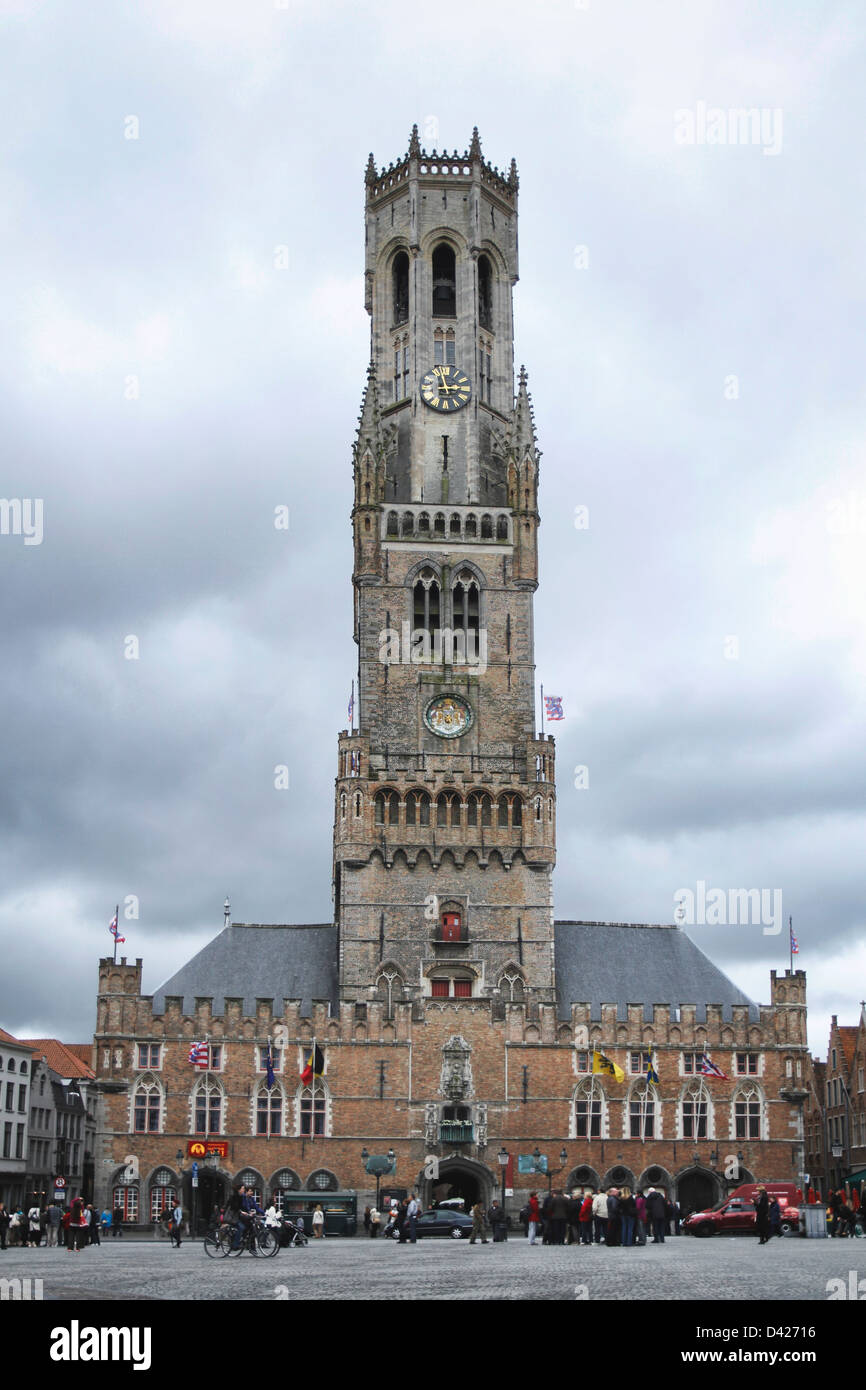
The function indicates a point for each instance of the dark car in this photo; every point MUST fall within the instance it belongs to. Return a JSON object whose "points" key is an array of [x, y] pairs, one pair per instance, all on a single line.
{"points": [[442, 1222]]}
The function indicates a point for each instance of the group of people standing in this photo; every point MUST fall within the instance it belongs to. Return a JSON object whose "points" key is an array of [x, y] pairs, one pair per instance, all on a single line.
{"points": [[614, 1217], [74, 1227]]}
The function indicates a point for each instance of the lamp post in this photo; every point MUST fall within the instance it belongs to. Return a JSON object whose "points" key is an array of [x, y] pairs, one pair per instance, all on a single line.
{"points": [[178, 1158], [503, 1157], [552, 1172], [378, 1165]]}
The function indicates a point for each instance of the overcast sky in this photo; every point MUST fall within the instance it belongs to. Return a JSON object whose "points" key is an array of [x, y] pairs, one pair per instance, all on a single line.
{"points": [[691, 317]]}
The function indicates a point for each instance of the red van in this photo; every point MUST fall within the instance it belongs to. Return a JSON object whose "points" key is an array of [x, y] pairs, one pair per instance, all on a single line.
{"points": [[736, 1214]]}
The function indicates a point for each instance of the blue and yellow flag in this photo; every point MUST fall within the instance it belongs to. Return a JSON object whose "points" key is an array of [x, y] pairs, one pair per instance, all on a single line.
{"points": [[603, 1064], [651, 1073]]}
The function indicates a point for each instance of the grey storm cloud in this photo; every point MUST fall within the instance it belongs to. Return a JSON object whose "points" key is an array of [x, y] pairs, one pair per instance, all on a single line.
{"points": [[184, 352]]}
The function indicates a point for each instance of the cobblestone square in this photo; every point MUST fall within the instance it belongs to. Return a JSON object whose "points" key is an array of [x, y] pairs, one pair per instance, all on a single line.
{"points": [[732, 1268]]}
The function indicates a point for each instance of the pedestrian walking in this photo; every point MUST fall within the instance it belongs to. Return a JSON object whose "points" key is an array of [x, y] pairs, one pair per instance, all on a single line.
{"points": [[762, 1215], [34, 1230], [93, 1225], [175, 1227], [106, 1221], [533, 1217], [367, 1211], [318, 1222], [375, 1219], [478, 1225], [4, 1225]]}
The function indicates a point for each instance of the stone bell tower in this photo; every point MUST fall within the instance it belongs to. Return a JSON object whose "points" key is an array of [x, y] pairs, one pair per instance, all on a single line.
{"points": [[444, 838]]}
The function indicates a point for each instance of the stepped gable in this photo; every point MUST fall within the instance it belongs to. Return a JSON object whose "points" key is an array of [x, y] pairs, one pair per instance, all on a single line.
{"points": [[253, 961], [623, 963]]}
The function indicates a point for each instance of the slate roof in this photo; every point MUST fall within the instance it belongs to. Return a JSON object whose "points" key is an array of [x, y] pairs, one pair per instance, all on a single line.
{"points": [[251, 961], [622, 963]]}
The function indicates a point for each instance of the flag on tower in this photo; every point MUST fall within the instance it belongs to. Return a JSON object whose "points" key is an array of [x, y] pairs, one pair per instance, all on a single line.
{"points": [[795, 946], [352, 708], [709, 1068], [314, 1065], [603, 1064], [553, 707], [199, 1055], [113, 928]]}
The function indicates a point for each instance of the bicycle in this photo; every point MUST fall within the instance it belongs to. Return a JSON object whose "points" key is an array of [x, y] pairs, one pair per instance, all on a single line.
{"points": [[257, 1237], [217, 1241]]}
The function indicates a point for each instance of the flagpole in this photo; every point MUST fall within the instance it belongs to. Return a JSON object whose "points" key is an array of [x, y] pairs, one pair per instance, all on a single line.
{"points": [[352, 720], [791, 943], [116, 930], [313, 1096], [542, 711]]}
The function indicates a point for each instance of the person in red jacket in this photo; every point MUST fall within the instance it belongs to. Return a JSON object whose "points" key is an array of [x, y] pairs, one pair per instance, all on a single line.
{"points": [[585, 1220], [534, 1217]]}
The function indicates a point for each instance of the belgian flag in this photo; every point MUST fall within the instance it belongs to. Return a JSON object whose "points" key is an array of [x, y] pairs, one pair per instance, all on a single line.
{"points": [[314, 1065]]}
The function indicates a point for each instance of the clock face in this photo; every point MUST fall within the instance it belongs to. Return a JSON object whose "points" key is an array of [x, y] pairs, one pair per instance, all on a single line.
{"points": [[445, 388]]}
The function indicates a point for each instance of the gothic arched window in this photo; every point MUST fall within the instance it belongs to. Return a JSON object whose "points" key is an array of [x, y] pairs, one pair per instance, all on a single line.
{"points": [[417, 808], [485, 292], [207, 1107], [480, 805], [389, 990], [147, 1107], [511, 986], [400, 278], [269, 1110], [393, 526], [695, 1112], [425, 610], [312, 1110], [589, 1103], [642, 1110], [465, 602], [748, 1113], [444, 282], [387, 808]]}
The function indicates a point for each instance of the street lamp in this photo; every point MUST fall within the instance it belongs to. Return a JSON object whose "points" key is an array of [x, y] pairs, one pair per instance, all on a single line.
{"points": [[378, 1165], [552, 1172], [503, 1157]]}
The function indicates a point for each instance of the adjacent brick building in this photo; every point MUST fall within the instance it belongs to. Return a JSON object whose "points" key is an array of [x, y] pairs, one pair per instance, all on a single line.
{"points": [[456, 1020]]}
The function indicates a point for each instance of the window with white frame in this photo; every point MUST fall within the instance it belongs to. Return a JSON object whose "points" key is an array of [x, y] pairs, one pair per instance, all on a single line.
{"points": [[695, 1112], [149, 1056], [147, 1107], [207, 1107], [748, 1113], [589, 1105], [269, 1110], [642, 1110], [748, 1063]]}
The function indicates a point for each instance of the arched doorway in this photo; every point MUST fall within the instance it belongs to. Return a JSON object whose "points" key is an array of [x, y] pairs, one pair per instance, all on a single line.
{"points": [[212, 1194], [697, 1189], [458, 1178]]}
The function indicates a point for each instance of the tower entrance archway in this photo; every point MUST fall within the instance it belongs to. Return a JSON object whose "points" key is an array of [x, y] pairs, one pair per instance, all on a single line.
{"points": [[458, 1178]]}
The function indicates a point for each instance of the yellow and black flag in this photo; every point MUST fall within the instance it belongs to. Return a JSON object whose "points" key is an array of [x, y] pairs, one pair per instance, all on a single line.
{"points": [[314, 1065], [603, 1064]]}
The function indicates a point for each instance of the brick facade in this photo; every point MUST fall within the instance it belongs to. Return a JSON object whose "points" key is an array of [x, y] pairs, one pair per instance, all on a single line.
{"points": [[448, 1034]]}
